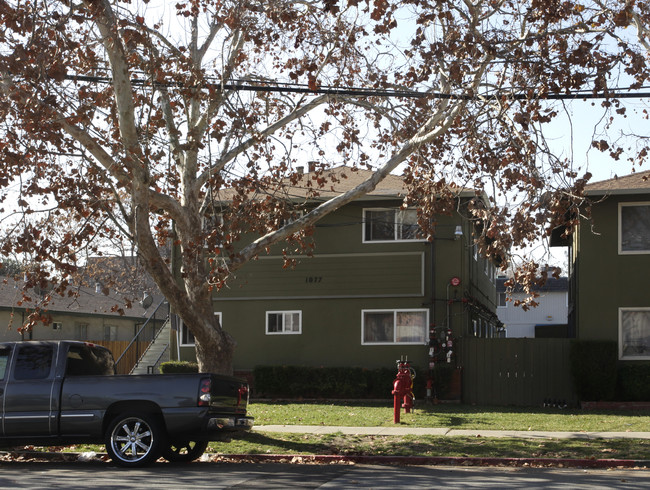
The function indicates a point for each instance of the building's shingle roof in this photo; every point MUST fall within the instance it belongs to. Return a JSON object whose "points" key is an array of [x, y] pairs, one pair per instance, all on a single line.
{"points": [[342, 179], [635, 183], [87, 302]]}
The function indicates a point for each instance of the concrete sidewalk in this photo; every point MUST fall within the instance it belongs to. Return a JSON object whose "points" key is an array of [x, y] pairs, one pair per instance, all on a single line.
{"points": [[398, 430]]}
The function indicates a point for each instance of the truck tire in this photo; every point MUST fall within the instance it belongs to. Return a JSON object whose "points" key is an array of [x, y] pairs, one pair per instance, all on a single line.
{"points": [[134, 439], [184, 452]]}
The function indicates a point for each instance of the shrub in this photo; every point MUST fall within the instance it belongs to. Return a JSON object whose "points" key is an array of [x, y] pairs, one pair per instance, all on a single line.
{"points": [[593, 367], [179, 367], [328, 382], [634, 382]]}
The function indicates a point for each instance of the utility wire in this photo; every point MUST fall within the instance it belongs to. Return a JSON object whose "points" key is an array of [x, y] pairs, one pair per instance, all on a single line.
{"points": [[365, 92]]}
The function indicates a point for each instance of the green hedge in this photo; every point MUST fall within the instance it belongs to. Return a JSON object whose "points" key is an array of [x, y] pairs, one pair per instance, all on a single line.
{"points": [[593, 367], [179, 367], [599, 376], [634, 382], [337, 382]]}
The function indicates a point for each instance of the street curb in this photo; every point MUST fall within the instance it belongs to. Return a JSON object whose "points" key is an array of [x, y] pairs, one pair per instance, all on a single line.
{"points": [[25, 456], [436, 460]]}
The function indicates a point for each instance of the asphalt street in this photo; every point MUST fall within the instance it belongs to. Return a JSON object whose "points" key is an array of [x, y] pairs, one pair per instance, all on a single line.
{"points": [[78, 475]]}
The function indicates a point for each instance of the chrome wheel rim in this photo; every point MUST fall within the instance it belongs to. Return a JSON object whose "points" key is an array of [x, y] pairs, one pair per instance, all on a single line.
{"points": [[132, 439]]}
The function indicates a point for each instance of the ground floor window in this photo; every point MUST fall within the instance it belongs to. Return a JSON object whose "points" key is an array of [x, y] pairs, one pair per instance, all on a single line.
{"points": [[110, 332], [81, 331], [634, 333], [186, 337], [283, 322], [394, 326]]}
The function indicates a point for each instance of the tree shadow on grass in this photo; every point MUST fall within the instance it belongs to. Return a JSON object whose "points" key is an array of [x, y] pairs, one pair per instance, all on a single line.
{"points": [[284, 443]]}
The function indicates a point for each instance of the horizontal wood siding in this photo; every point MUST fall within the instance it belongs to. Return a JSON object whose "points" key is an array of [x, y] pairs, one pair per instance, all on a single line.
{"points": [[344, 275], [520, 372]]}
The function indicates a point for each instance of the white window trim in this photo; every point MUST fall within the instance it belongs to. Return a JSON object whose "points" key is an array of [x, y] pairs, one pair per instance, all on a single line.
{"points": [[505, 295], [395, 312], [283, 312], [298, 214], [57, 326], [396, 210], [622, 205], [182, 326], [211, 219], [620, 334]]}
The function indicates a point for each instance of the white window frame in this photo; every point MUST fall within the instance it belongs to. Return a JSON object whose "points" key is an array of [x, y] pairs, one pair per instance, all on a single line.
{"points": [[395, 312], [208, 222], [57, 326], [397, 222], [284, 330], [621, 339], [299, 213], [622, 205], [185, 337], [505, 300]]}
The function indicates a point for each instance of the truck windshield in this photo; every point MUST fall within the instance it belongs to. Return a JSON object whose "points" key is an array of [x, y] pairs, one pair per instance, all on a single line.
{"points": [[86, 360]]}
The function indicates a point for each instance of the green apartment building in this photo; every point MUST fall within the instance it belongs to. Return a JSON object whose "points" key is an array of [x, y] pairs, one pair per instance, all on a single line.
{"points": [[610, 281], [372, 292]]}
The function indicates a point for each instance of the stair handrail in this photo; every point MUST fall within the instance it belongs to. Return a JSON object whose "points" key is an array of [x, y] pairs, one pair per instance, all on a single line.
{"points": [[135, 338], [157, 361], [151, 344]]}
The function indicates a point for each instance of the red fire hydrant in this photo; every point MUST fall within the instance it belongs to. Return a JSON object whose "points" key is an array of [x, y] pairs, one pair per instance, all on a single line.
{"points": [[403, 389]]}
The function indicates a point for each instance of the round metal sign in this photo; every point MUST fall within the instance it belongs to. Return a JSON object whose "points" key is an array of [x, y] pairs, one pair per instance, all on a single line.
{"points": [[455, 281]]}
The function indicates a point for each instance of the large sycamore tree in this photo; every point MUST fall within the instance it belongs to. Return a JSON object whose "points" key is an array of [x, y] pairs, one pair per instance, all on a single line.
{"points": [[182, 125]]}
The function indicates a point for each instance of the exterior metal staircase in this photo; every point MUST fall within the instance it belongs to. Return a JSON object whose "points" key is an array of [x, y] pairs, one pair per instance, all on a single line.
{"points": [[155, 335], [156, 353]]}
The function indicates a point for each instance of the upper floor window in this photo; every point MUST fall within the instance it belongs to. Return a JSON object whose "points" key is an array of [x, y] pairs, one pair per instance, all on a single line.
{"points": [[634, 228], [387, 225], [212, 226], [283, 322], [394, 326], [502, 300], [634, 333]]}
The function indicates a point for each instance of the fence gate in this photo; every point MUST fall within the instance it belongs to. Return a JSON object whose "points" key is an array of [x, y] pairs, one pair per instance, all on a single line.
{"points": [[521, 372]]}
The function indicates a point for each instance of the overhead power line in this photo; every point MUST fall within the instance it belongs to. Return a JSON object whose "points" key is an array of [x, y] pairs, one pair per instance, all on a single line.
{"points": [[619, 93]]}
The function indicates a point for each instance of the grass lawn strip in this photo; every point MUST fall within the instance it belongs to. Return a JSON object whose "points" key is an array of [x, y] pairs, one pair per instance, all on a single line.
{"points": [[433, 446], [380, 414]]}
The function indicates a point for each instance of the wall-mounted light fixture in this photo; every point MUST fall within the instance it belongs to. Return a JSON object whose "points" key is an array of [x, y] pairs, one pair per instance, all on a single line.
{"points": [[458, 233]]}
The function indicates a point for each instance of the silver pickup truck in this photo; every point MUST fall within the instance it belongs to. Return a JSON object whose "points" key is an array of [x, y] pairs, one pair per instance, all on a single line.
{"points": [[66, 392]]}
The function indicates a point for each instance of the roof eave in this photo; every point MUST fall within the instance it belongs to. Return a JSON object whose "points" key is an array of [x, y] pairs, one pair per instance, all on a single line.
{"points": [[616, 192]]}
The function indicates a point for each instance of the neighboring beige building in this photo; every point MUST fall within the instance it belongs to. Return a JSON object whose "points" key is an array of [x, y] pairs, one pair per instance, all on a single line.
{"points": [[89, 315]]}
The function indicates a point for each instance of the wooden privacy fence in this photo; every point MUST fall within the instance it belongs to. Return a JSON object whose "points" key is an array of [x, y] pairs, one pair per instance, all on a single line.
{"points": [[117, 347], [521, 372]]}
